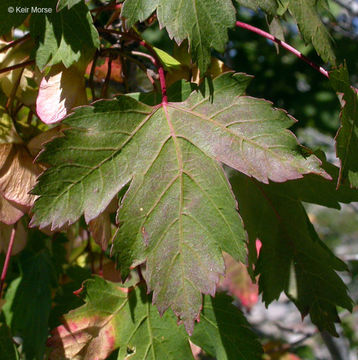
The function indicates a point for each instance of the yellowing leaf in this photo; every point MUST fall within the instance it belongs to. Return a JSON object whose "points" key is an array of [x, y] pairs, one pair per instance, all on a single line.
{"points": [[20, 238], [7, 130], [18, 174], [14, 56], [35, 145], [168, 61], [10, 212]]}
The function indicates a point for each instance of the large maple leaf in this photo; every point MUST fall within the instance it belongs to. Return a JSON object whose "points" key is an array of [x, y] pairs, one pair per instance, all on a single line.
{"points": [[179, 212]]}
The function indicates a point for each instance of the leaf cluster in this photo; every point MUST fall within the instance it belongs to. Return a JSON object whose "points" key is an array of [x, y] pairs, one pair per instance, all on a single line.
{"points": [[148, 189]]}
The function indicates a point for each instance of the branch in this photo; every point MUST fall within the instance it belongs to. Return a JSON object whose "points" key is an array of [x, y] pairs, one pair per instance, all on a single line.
{"points": [[7, 259], [349, 5], [14, 43], [155, 59], [335, 349], [17, 66], [284, 45], [90, 81], [145, 55], [141, 66]]}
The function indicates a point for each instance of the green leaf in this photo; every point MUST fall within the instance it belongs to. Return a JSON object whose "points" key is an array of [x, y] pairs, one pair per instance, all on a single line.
{"points": [[138, 10], [65, 36], [198, 21], [63, 3], [7, 346], [223, 331], [167, 60], [276, 29], [269, 6], [63, 300], [169, 155], [347, 136], [28, 302], [311, 27], [291, 252], [10, 19], [115, 317]]}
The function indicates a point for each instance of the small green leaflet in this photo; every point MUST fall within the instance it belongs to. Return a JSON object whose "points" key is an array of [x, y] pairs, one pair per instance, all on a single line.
{"points": [[63, 36], [198, 21], [269, 6], [63, 3], [291, 251], [124, 318], [168, 61], [347, 136], [311, 27], [169, 156]]}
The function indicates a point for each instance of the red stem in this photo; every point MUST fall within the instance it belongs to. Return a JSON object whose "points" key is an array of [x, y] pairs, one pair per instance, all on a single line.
{"points": [[284, 45], [7, 259], [161, 72]]}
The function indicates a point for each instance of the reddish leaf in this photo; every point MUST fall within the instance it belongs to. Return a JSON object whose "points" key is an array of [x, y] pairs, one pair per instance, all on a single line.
{"points": [[60, 91], [18, 174], [101, 71], [238, 283], [10, 212]]}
